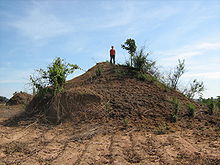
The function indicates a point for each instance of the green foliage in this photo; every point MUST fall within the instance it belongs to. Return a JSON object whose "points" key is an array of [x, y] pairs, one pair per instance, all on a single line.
{"points": [[145, 77], [162, 128], [191, 110], [211, 103], [141, 76], [176, 109], [218, 102], [176, 105], [53, 79], [211, 107], [125, 122], [131, 47], [141, 61], [173, 118], [119, 72], [3, 99], [196, 88], [173, 77], [98, 71]]}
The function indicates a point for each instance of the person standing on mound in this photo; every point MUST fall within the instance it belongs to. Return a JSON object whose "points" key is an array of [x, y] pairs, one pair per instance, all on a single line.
{"points": [[112, 55]]}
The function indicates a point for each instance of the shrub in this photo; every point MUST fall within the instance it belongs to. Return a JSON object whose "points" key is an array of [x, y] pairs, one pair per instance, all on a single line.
{"points": [[141, 76], [176, 107], [145, 77], [211, 107], [98, 71], [173, 77], [173, 118], [53, 79], [162, 128], [125, 122], [120, 73], [141, 61], [191, 110], [196, 88]]}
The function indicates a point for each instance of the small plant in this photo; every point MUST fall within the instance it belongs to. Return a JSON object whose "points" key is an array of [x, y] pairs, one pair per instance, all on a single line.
{"points": [[119, 72], [176, 107], [196, 88], [141, 76], [173, 118], [145, 77], [98, 71], [173, 77], [191, 110], [211, 107], [125, 122], [162, 128]]}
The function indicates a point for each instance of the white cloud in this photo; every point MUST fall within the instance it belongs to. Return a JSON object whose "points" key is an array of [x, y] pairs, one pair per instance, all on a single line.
{"points": [[38, 24]]}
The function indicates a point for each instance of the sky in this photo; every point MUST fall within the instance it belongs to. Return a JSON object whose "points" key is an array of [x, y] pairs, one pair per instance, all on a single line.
{"points": [[34, 32]]}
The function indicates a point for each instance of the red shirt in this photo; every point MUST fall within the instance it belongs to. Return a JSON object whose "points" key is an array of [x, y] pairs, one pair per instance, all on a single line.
{"points": [[112, 52]]}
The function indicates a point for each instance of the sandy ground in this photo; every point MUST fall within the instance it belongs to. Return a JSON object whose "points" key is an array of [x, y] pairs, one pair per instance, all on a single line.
{"points": [[95, 144]]}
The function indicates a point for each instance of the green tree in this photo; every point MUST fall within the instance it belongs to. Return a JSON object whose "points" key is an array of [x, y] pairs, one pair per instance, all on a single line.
{"points": [[174, 77], [53, 79], [131, 47]]}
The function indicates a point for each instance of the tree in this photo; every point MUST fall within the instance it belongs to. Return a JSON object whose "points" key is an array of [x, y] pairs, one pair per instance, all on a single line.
{"points": [[53, 79], [131, 47], [196, 88], [173, 77]]}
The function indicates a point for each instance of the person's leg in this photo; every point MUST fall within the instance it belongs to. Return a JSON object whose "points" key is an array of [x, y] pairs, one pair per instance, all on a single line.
{"points": [[111, 59], [114, 59]]}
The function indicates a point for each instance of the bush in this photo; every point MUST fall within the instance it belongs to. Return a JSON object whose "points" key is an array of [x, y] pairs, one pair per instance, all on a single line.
{"points": [[119, 72], [176, 107], [191, 110], [173, 118], [142, 63], [162, 128], [141, 76], [98, 71], [173, 77], [53, 79], [196, 88], [211, 107], [145, 77]]}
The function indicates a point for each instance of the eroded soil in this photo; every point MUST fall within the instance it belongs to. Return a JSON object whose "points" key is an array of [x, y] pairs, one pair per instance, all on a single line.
{"points": [[92, 143]]}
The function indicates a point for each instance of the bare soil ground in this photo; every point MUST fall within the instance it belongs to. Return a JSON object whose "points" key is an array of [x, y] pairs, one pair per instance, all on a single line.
{"points": [[95, 143]]}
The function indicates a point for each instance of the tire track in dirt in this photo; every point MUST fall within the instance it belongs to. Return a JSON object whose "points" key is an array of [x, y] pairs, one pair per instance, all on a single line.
{"points": [[79, 159], [144, 148], [19, 154], [37, 145], [109, 156]]}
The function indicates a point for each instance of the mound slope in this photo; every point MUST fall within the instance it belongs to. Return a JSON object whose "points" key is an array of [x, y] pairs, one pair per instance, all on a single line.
{"points": [[112, 93], [19, 98]]}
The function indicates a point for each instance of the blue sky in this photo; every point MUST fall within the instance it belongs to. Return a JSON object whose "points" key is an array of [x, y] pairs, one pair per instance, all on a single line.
{"points": [[33, 33]]}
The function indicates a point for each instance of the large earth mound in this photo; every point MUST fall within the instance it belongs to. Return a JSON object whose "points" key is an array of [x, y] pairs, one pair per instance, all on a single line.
{"points": [[19, 98], [114, 118], [113, 93]]}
